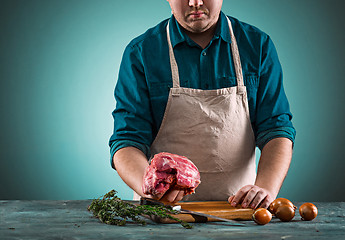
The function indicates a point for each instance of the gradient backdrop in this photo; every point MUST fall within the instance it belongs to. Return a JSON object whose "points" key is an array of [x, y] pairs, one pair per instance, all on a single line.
{"points": [[58, 67]]}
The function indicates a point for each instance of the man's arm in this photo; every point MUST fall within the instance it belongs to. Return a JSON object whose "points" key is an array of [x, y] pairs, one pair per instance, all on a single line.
{"points": [[131, 164], [273, 130], [272, 169]]}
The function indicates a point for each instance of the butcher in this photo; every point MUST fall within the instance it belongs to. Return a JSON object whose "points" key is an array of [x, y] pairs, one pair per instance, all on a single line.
{"points": [[207, 87]]}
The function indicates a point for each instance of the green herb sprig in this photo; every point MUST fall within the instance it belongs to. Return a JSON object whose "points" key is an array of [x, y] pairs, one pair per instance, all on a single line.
{"points": [[110, 209]]}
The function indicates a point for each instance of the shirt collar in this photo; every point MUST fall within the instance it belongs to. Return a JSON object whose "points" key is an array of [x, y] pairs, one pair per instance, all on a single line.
{"points": [[178, 35], [222, 29]]}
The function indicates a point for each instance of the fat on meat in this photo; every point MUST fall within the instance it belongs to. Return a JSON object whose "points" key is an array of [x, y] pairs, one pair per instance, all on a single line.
{"points": [[170, 171]]}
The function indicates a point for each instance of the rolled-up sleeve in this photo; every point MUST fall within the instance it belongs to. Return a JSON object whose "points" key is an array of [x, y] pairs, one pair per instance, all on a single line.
{"points": [[132, 120], [273, 116]]}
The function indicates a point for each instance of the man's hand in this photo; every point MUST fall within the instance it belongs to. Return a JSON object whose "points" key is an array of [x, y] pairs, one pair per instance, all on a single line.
{"points": [[252, 196], [171, 196], [273, 166], [131, 164]]}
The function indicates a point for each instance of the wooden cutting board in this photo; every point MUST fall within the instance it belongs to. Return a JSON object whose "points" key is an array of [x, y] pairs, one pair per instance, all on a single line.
{"points": [[217, 208]]}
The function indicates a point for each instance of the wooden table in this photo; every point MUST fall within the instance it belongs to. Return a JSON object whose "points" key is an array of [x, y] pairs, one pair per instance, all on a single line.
{"points": [[71, 220]]}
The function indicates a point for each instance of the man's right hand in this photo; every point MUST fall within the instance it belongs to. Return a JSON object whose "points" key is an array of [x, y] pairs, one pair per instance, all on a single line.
{"points": [[171, 196], [131, 164]]}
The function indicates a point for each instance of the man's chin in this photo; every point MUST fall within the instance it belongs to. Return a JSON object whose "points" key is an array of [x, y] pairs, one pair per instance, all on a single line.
{"points": [[198, 27]]}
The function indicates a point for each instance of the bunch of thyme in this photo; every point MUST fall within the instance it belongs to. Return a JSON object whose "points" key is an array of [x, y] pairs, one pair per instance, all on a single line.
{"points": [[110, 209]]}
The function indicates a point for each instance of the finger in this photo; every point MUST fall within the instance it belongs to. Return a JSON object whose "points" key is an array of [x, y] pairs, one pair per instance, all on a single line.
{"points": [[250, 196], [179, 196], [266, 202], [259, 198], [230, 199], [239, 196], [171, 195], [157, 196]]}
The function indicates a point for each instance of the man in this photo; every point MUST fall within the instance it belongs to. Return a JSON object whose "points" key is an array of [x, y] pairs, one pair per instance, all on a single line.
{"points": [[208, 87]]}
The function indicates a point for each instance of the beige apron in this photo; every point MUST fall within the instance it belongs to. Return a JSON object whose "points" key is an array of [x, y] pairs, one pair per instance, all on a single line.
{"points": [[212, 128]]}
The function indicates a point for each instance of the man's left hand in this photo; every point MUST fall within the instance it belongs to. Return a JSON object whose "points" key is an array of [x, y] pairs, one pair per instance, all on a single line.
{"points": [[252, 196]]}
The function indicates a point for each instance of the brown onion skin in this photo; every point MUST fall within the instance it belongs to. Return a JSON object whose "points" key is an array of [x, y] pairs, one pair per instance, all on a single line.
{"points": [[285, 213], [262, 216], [278, 202], [308, 211]]}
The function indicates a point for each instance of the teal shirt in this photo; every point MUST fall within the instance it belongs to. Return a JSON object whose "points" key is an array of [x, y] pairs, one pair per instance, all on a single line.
{"points": [[144, 80]]}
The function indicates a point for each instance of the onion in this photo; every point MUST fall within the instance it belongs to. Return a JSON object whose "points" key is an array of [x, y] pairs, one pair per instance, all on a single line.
{"points": [[279, 202], [262, 216], [285, 213], [308, 211]]}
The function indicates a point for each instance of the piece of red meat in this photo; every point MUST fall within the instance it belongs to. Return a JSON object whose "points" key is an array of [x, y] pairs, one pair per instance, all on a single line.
{"points": [[170, 171]]}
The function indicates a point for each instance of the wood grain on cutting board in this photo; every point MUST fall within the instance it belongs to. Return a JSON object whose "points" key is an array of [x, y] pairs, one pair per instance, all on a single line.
{"points": [[217, 208]]}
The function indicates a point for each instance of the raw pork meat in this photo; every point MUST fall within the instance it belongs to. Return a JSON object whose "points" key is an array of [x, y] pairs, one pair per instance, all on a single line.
{"points": [[170, 171]]}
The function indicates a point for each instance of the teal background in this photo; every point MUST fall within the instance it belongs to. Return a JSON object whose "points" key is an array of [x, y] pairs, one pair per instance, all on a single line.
{"points": [[58, 67]]}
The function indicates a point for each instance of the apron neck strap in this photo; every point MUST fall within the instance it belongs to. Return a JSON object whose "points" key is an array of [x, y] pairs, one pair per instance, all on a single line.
{"points": [[173, 64], [235, 57]]}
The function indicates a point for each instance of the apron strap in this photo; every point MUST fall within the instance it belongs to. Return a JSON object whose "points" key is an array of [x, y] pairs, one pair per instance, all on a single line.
{"points": [[235, 56], [173, 64]]}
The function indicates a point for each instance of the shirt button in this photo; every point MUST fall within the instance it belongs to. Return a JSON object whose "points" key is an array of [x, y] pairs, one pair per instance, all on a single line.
{"points": [[204, 53]]}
